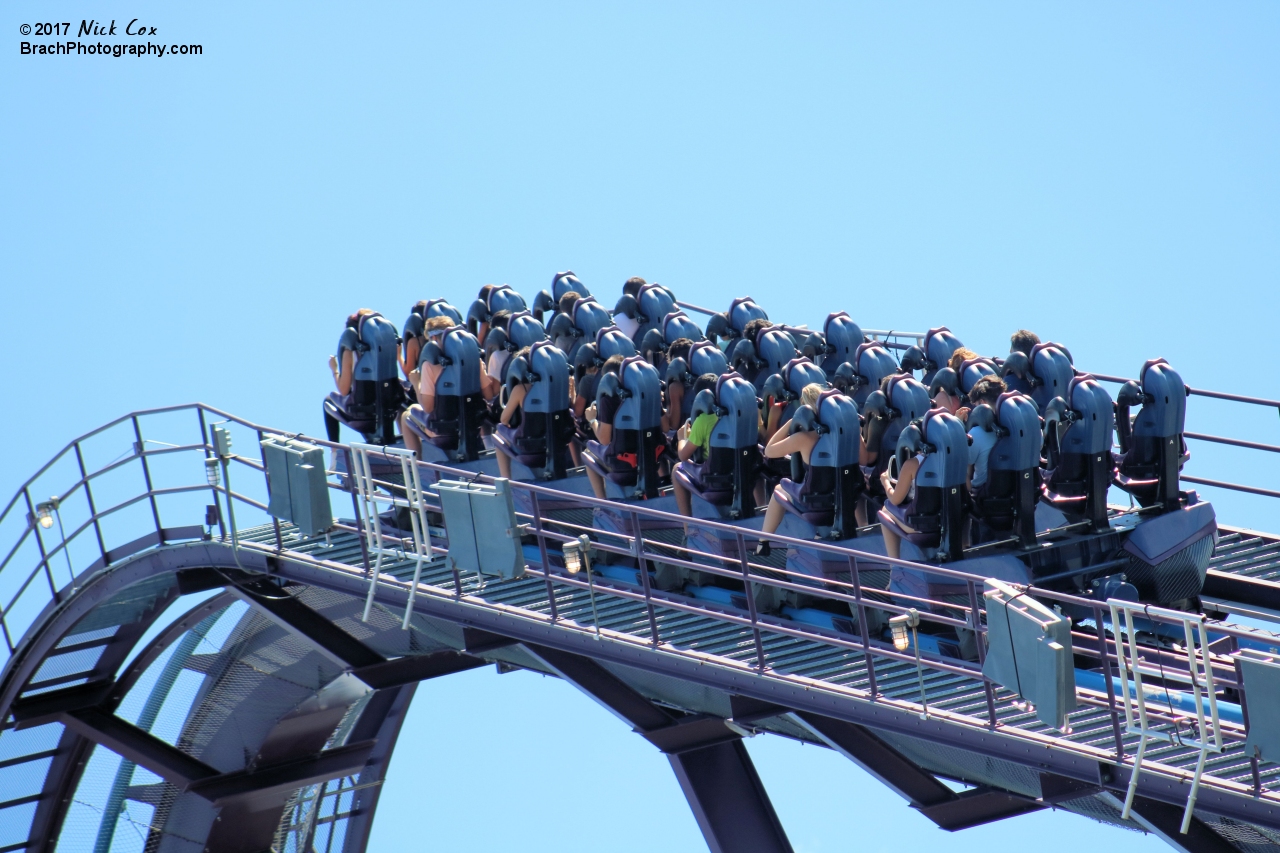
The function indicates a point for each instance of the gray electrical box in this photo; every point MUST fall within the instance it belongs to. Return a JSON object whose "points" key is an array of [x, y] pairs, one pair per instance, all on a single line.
{"points": [[1029, 652], [298, 487], [480, 521], [1261, 672]]}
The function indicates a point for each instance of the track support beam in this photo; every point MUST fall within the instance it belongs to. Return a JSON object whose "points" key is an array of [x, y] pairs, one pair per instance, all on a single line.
{"points": [[709, 759]]}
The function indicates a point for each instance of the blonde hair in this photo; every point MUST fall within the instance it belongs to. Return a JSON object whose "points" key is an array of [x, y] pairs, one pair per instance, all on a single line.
{"points": [[810, 394], [959, 357]]}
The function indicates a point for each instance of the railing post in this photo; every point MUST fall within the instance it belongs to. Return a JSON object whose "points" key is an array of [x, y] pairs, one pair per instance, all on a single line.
{"points": [[868, 658], [146, 474], [93, 509], [1105, 659], [355, 505], [751, 601], [44, 555], [217, 498], [546, 562], [638, 545], [976, 621]]}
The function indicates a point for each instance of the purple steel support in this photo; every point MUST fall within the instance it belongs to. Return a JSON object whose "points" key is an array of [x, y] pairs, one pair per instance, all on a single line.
{"points": [[146, 476], [728, 799], [713, 767], [1111, 688], [638, 545], [217, 498], [751, 602], [870, 661], [919, 787], [542, 551], [44, 556], [93, 509]]}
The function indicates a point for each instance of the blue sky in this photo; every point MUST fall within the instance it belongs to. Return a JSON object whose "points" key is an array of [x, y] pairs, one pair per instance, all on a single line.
{"points": [[184, 228]]}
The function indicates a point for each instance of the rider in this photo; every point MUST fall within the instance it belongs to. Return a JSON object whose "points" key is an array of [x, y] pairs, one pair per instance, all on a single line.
{"points": [[510, 419], [629, 325], [1023, 341], [423, 378], [694, 441], [780, 446], [986, 390], [675, 390]]}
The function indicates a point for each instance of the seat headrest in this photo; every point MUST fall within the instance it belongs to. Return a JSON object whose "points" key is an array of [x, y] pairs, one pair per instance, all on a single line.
{"points": [[518, 373], [775, 348], [718, 327], [542, 303], [743, 358], [677, 325], [800, 372], [611, 385], [910, 443], [804, 420], [1131, 394], [945, 380], [939, 344], [505, 298], [611, 341], [678, 371], [524, 330], [652, 345], [584, 359], [742, 311], [815, 346], [628, 307], [433, 354], [1018, 365], [981, 416], [567, 282], [478, 313], [913, 359], [876, 405], [706, 357], [562, 326], [843, 336], [705, 404], [846, 378], [497, 339], [776, 388]]}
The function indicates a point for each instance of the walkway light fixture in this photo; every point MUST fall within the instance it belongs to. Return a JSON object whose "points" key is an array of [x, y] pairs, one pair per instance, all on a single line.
{"points": [[44, 512], [577, 555], [899, 625], [211, 471], [577, 558]]}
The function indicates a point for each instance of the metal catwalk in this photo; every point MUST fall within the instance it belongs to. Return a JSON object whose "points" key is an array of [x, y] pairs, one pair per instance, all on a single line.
{"points": [[174, 677]]}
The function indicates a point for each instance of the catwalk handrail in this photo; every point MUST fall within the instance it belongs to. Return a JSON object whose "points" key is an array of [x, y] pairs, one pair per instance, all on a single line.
{"points": [[852, 593]]}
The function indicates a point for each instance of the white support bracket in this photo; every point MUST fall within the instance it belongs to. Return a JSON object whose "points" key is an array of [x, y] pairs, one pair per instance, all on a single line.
{"points": [[1128, 618], [374, 500]]}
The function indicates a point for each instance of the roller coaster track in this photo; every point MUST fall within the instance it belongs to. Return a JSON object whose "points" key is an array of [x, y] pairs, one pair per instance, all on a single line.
{"points": [[240, 703]]}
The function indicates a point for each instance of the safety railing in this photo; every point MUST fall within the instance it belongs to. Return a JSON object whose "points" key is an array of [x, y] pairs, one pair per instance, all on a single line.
{"points": [[901, 340], [170, 485]]}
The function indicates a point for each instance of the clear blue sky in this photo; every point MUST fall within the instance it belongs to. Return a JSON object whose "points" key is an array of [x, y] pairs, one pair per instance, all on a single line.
{"points": [[185, 228]]}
